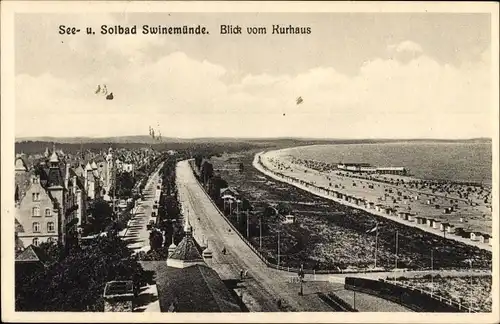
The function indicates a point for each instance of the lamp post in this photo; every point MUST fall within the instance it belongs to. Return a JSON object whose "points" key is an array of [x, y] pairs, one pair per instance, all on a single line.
{"points": [[248, 225], [260, 232], [278, 248], [470, 289], [301, 279], [432, 271]]}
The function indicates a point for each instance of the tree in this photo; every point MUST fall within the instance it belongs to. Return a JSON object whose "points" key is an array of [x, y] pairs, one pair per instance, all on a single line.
{"points": [[102, 215], [124, 185], [197, 160], [76, 283], [284, 209], [215, 185], [245, 205], [155, 240], [207, 171]]}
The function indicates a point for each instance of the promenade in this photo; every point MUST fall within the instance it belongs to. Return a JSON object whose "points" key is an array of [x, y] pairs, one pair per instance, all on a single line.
{"points": [[311, 181]]}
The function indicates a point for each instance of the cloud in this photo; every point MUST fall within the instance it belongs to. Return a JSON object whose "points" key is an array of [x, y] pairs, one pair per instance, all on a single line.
{"points": [[406, 46], [387, 98]]}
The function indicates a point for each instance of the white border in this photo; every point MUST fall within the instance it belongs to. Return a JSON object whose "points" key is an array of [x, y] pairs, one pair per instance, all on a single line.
{"points": [[7, 120]]}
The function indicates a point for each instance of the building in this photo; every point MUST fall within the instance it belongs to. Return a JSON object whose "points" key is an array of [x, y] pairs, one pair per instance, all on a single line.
{"points": [[444, 227], [367, 168], [30, 261], [187, 284], [474, 236], [421, 220], [49, 202], [289, 219], [229, 192], [37, 215], [484, 238]]}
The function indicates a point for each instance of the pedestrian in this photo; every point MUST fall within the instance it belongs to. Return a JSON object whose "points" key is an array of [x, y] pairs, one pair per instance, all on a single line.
{"points": [[241, 274]]}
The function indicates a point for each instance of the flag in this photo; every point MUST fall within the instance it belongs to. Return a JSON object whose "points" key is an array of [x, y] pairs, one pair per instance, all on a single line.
{"points": [[373, 229]]}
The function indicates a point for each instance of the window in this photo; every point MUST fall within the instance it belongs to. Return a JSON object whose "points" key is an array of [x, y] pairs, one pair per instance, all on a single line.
{"points": [[36, 227], [36, 211], [50, 227], [36, 241], [36, 196], [48, 213]]}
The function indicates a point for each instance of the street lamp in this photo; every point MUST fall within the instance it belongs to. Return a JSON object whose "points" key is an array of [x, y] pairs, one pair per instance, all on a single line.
{"points": [[278, 248], [470, 289], [301, 278]]}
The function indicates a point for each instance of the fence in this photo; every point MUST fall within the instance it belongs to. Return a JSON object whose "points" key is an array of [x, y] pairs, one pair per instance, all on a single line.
{"points": [[442, 299], [413, 298], [338, 304]]}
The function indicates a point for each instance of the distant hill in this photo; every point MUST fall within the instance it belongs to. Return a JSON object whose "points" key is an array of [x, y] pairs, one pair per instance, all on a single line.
{"points": [[144, 139]]}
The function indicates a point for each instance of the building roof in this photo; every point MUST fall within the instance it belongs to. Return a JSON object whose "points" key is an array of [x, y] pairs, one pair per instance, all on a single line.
{"points": [[18, 227], [187, 250], [23, 182], [230, 189], [193, 289], [20, 164], [32, 254], [54, 158], [118, 288]]}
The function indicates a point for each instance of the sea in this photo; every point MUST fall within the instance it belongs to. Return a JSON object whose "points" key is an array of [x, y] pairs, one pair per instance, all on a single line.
{"points": [[459, 162]]}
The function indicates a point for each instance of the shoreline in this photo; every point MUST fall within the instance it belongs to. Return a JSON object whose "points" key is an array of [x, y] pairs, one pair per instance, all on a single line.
{"points": [[486, 183], [324, 194]]}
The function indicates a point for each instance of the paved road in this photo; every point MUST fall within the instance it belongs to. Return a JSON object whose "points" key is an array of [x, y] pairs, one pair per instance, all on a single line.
{"points": [[266, 284], [137, 237], [321, 193], [136, 234]]}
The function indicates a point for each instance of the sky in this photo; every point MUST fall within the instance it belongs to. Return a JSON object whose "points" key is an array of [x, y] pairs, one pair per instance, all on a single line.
{"points": [[361, 75]]}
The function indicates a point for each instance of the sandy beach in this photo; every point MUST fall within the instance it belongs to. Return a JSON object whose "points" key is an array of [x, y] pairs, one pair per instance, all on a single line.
{"points": [[399, 197]]}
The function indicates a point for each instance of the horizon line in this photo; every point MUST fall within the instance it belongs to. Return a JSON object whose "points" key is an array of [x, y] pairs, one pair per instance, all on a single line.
{"points": [[249, 137]]}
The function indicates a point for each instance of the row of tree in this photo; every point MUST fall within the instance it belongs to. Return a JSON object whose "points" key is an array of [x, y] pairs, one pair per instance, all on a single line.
{"points": [[169, 224]]}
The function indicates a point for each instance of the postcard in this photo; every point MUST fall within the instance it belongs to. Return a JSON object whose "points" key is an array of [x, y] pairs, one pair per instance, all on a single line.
{"points": [[250, 162]]}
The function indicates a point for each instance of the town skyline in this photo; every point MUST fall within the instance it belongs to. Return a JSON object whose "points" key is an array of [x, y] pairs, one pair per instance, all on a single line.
{"points": [[429, 78]]}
